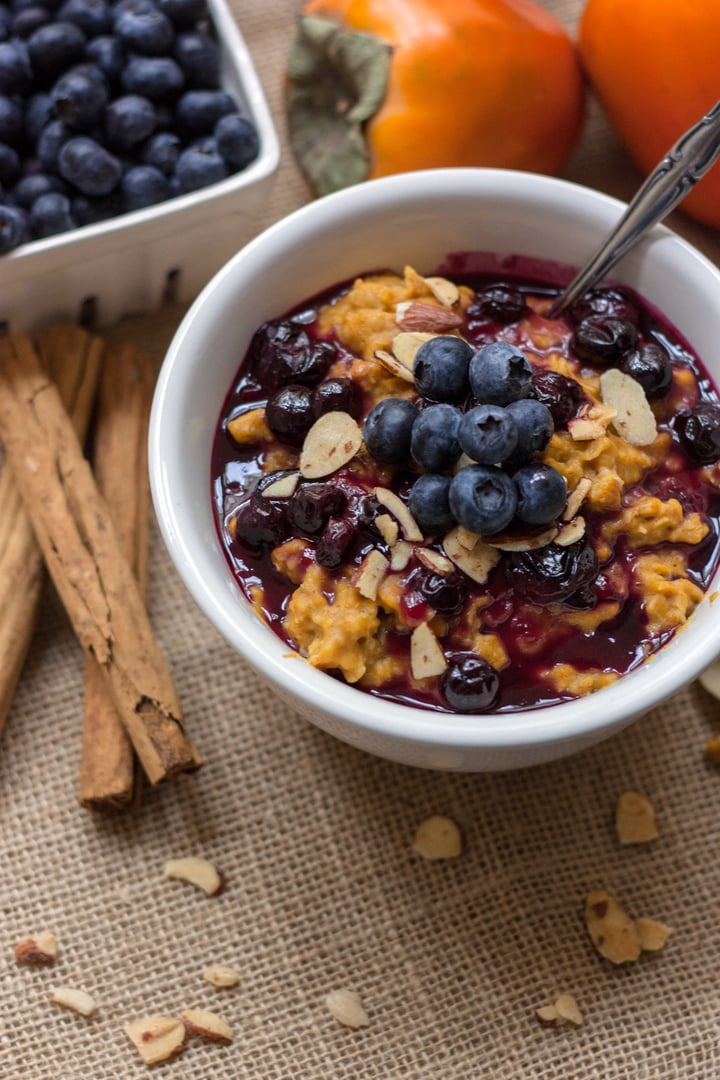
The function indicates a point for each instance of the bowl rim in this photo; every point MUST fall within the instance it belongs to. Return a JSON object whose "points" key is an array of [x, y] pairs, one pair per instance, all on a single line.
{"points": [[583, 718]]}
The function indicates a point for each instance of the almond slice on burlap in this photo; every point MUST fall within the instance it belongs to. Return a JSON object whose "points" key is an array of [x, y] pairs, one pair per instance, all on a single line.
{"points": [[612, 931]]}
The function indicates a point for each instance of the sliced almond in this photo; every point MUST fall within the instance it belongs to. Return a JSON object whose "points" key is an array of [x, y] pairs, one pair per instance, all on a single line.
{"points": [[476, 563], [78, 1001], [437, 837], [388, 528], [202, 1024], [198, 872], [400, 554], [406, 345], [548, 1015], [652, 934], [157, 1038], [443, 290], [433, 560], [394, 366], [571, 532], [332, 441], [523, 543], [38, 951], [465, 538], [347, 1008], [433, 318], [282, 488], [221, 975], [612, 931], [591, 422], [710, 679], [370, 573], [426, 656], [635, 422], [635, 819], [567, 1009], [392, 502], [577, 497]]}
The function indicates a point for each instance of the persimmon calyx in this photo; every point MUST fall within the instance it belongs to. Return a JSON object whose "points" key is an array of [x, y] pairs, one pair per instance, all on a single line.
{"points": [[337, 81]]}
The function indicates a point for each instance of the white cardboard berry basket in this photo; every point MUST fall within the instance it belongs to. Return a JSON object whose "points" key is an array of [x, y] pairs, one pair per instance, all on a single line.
{"points": [[126, 264]]}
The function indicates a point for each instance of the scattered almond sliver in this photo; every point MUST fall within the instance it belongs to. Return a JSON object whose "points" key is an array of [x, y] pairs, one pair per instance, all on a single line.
{"points": [[406, 344], [370, 573], [437, 837], [443, 290], [635, 819], [203, 1024], [570, 532], [347, 1008], [38, 951], [576, 498], [524, 543], [78, 1001], [394, 504], [591, 422], [221, 975], [198, 872], [635, 421], [282, 488], [433, 560], [612, 931], [476, 562], [426, 656], [157, 1038], [388, 528], [400, 554], [332, 441], [652, 934], [393, 365], [564, 1011]]}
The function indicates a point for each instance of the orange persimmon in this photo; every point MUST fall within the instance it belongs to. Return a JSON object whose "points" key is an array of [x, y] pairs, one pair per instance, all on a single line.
{"points": [[385, 86], [654, 65]]}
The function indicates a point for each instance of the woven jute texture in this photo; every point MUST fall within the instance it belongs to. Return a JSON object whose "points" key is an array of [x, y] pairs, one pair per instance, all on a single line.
{"points": [[324, 891]]}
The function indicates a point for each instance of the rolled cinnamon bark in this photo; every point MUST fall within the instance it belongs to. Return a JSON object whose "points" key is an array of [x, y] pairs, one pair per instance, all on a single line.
{"points": [[84, 557]]}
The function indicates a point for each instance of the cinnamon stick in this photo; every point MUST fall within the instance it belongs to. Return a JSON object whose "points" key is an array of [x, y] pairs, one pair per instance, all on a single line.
{"points": [[84, 557], [73, 357], [107, 769]]}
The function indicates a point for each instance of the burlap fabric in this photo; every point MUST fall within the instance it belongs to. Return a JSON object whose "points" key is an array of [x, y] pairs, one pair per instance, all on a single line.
{"points": [[450, 959]]}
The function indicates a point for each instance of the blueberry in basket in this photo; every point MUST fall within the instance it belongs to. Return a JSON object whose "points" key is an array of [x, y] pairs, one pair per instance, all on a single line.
{"points": [[107, 103]]}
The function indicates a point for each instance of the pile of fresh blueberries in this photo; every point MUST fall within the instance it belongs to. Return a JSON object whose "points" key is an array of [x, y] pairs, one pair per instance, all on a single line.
{"points": [[109, 107]]}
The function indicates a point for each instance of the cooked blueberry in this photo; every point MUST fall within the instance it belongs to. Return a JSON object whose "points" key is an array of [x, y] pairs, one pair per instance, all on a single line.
{"points": [[147, 32], [441, 368], [51, 214], [196, 168], [541, 492], [483, 499], [108, 54], [31, 187], [650, 366], [552, 574], [16, 73], [563, 396], [336, 395], [144, 185], [261, 523], [289, 413], [198, 111], [500, 373], [429, 503], [388, 430], [199, 56], [183, 13], [89, 166], [79, 99], [9, 164], [54, 48], [534, 426], [237, 140], [29, 20], [434, 443], [502, 303], [603, 340], [128, 121], [698, 430], [609, 303], [11, 120], [312, 506], [14, 228], [92, 16], [446, 594], [488, 434], [281, 352], [334, 542], [156, 77], [470, 684], [38, 111]]}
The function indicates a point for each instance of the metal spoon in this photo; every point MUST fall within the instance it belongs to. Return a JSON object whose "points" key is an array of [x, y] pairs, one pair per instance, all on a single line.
{"points": [[667, 185]]}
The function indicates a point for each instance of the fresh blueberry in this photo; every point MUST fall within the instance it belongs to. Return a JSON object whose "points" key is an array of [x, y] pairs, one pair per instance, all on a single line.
{"points": [[149, 33], [184, 14], [108, 54], [698, 430], [54, 48], [162, 150], [336, 395], [144, 185], [129, 120], [441, 368], [289, 413], [156, 77], [31, 187], [541, 492], [89, 211], [11, 120], [446, 594], [237, 140], [197, 168], [608, 303], [92, 16], [51, 141], [89, 166], [312, 506], [38, 112], [563, 396], [500, 373], [500, 303], [470, 683], [29, 20], [429, 503], [552, 574], [199, 56], [16, 73], [79, 98], [488, 434], [434, 443], [603, 340], [334, 542], [14, 228], [534, 425], [51, 214], [198, 111], [388, 430], [9, 164], [483, 499], [6, 21], [650, 366]]}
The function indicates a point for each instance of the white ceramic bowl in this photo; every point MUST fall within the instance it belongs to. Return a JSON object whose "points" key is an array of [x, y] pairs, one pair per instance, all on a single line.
{"points": [[416, 219]]}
